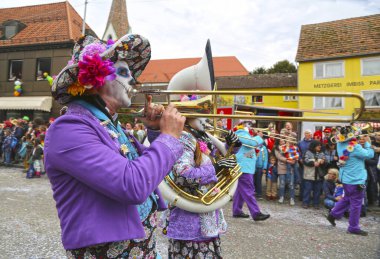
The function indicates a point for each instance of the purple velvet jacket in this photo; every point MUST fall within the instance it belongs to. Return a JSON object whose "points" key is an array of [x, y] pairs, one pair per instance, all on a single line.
{"points": [[96, 189]]}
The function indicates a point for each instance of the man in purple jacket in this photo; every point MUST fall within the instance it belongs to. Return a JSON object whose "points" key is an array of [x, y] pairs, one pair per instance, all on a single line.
{"points": [[104, 182]]}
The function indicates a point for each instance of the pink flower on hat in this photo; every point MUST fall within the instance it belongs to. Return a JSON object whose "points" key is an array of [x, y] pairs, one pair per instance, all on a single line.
{"points": [[94, 71]]}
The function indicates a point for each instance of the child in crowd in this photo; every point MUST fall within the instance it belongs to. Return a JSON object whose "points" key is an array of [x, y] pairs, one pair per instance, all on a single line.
{"points": [[36, 167], [284, 179], [272, 179], [29, 149], [339, 191], [292, 153], [331, 188], [22, 150], [7, 147]]}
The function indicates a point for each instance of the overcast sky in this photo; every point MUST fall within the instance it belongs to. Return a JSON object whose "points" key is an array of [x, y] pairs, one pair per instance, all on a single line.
{"points": [[257, 32]]}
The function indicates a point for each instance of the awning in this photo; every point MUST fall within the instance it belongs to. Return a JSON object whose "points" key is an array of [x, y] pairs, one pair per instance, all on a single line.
{"points": [[42, 103]]}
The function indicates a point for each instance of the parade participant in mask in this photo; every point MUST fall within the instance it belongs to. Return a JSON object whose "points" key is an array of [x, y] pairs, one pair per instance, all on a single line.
{"points": [[195, 167], [353, 175], [246, 158], [197, 235], [104, 181]]}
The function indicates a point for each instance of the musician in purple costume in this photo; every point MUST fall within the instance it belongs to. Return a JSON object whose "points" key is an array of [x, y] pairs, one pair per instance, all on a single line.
{"points": [[104, 182], [353, 175], [197, 235]]}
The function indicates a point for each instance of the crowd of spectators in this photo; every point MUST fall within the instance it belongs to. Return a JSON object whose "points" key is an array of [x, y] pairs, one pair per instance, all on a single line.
{"points": [[22, 142], [288, 166], [308, 167]]}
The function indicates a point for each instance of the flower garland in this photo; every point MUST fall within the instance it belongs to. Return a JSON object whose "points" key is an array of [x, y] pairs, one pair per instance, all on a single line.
{"points": [[342, 138], [346, 152]]}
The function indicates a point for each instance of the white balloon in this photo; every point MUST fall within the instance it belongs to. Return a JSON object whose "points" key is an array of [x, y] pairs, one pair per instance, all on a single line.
{"points": [[17, 82]]}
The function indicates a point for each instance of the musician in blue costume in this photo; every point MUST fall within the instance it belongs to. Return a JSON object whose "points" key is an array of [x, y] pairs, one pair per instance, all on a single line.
{"points": [[246, 158]]}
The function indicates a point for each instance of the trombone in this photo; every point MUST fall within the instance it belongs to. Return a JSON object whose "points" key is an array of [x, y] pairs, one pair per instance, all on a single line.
{"points": [[282, 137], [226, 131], [211, 105]]}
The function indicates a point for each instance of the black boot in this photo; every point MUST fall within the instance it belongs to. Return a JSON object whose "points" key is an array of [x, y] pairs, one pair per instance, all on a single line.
{"points": [[360, 233], [261, 217], [241, 215], [331, 219]]}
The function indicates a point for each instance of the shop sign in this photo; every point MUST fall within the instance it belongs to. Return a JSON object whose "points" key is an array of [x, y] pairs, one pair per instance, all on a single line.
{"points": [[348, 84]]}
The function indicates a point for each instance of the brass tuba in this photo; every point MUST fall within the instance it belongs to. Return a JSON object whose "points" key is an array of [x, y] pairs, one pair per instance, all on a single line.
{"points": [[200, 77]]}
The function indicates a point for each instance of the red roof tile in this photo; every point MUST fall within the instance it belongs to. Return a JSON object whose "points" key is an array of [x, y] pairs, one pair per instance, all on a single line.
{"points": [[342, 38], [47, 23], [162, 70]]}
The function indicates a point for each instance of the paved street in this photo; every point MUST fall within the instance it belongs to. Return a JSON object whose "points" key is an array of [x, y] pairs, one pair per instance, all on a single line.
{"points": [[29, 228]]}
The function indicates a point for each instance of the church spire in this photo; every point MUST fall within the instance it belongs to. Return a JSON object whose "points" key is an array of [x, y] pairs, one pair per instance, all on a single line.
{"points": [[117, 24]]}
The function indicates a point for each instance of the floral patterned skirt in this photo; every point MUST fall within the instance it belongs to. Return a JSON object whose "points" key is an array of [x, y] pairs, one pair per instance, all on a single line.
{"points": [[208, 249], [135, 248]]}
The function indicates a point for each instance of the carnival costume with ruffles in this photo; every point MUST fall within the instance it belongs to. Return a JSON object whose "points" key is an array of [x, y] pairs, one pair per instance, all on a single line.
{"points": [[194, 235]]}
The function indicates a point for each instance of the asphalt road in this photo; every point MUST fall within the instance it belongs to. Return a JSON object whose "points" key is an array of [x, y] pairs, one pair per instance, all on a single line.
{"points": [[29, 228]]}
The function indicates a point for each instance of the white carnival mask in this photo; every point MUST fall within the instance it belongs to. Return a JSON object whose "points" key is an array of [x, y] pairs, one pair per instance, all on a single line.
{"points": [[121, 87], [198, 123]]}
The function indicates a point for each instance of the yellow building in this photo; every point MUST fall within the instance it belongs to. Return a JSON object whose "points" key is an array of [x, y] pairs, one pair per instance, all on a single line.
{"points": [[260, 105], [340, 56]]}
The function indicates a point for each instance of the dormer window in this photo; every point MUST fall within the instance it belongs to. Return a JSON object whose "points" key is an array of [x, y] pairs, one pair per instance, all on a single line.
{"points": [[11, 28], [10, 31]]}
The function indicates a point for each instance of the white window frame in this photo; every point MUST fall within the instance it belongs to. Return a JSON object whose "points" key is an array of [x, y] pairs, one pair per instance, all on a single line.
{"points": [[290, 98], [328, 108], [324, 69], [362, 65], [362, 93]]}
